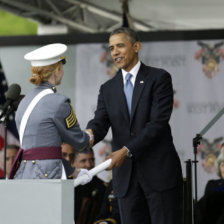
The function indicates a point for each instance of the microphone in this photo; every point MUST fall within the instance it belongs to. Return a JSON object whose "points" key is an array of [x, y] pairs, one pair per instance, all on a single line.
{"points": [[12, 95], [12, 108], [16, 103]]}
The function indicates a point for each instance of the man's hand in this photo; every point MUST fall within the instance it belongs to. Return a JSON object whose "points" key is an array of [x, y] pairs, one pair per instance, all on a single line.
{"points": [[117, 157], [91, 137]]}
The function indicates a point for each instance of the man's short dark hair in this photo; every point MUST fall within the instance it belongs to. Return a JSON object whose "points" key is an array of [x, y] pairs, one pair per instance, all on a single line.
{"points": [[77, 153], [13, 147], [128, 31]]}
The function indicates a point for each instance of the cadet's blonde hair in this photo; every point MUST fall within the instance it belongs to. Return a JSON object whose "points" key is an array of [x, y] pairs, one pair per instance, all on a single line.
{"points": [[43, 73]]}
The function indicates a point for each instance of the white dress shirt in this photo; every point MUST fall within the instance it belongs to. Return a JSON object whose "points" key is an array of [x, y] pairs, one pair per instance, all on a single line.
{"points": [[133, 71]]}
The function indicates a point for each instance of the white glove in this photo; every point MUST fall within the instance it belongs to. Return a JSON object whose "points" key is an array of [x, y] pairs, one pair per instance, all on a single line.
{"points": [[86, 176]]}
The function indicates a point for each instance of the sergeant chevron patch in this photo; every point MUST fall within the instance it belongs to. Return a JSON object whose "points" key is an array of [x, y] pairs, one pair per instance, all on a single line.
{"points": [[71, 119]]}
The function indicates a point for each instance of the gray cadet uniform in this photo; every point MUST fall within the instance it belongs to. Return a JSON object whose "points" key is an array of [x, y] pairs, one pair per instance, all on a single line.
{"points": [[51, 122]]}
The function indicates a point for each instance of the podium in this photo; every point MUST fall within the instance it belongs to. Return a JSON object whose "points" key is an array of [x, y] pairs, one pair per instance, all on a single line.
{"points": [[37, 201]]}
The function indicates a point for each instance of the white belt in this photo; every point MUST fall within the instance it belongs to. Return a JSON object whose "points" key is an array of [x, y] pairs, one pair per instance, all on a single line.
{"points": [[28, 111]]}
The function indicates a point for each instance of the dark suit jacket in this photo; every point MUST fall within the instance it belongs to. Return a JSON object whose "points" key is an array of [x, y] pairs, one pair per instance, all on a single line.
{"points": [[88, 200], [210, 207], [214, 186], [109, 209], [69, 170], [146, 133]]}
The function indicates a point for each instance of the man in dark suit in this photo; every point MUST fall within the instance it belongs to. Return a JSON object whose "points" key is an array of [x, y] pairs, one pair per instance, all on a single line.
{"points": [[147, 177]]}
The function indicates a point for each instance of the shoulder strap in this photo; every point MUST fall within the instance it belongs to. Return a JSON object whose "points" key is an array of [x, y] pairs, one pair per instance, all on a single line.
{"points": [[28, 111]]}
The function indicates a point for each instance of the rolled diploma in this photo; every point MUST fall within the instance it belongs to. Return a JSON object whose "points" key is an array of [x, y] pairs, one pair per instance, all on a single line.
{"points": [[101, 167]]}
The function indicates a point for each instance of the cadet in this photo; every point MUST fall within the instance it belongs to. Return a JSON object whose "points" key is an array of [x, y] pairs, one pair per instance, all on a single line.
{"points": [[109, 212], [45, 119], [88, 198]]}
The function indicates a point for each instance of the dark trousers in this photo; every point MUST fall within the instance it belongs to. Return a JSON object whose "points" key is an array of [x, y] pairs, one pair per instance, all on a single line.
{"points": [[142, 205]]}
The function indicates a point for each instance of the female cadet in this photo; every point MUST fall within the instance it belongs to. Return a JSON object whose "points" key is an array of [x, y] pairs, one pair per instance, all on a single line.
{"points": [[45, 119]]}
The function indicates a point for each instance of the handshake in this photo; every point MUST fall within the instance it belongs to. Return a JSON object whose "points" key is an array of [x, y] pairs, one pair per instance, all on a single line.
{"points": [[117, 156]]}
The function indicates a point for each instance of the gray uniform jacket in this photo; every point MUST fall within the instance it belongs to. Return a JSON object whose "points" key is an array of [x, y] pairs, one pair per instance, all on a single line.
{"points": [[51, 122]]}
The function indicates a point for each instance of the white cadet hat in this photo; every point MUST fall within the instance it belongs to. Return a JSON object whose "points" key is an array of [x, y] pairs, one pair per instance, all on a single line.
{"points": [[46, 55]]}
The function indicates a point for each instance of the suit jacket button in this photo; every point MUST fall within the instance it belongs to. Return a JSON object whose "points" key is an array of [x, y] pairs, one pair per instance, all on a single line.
{"points": [[132, 134]]}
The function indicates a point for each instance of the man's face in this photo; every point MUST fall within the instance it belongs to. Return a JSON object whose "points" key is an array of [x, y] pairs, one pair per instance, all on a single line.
{"points": [[68, 152], [123, 51], [85, 161]]}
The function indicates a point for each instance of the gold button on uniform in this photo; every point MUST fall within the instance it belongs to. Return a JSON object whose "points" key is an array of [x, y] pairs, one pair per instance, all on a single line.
{"points": [[33, 161], [46, 175], [24, 161]]}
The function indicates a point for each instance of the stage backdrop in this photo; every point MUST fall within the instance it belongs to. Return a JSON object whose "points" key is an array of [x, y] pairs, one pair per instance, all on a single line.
{"points": [[197, 71]]}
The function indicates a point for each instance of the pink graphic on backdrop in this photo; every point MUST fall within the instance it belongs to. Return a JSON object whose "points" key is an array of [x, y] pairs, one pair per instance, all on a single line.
{"points": [[107, 59], [210, 57], [209, 151]]}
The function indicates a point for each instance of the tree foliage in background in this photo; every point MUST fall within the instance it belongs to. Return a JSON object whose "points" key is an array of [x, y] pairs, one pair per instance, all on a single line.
{"points": [[14, 25]]}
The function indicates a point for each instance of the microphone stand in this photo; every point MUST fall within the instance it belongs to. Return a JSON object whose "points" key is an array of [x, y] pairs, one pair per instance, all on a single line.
{"points": [[196, 142]]}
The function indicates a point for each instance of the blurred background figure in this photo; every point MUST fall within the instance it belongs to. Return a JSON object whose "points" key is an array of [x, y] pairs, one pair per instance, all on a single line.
{"points": [[11, 152], [89, 197], [84, 160], [109, 211], [68, 152], [211, 206], [217, 185]]}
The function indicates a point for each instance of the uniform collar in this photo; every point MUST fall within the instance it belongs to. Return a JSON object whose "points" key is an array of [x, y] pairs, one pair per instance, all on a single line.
{"points": [[49, 85]]}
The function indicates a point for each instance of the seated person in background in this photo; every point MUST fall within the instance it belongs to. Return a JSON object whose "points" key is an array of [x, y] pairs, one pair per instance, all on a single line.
{"points": [[68, 158], [89, 197], [211, 206], [11, 152], [84, 160], [109, 212], [217, 185], [68, 152]]}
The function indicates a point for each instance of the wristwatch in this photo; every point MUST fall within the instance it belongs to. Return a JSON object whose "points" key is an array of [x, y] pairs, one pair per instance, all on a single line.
{"points": [[90, 136], [128, 153]]}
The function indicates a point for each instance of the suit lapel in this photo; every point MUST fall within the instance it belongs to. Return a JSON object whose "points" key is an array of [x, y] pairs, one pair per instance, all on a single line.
{"points": [[121, 96], [139, 86]]}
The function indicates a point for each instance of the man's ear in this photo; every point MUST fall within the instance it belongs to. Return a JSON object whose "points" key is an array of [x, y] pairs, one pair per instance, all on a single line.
{"points": [[137, 46]]}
